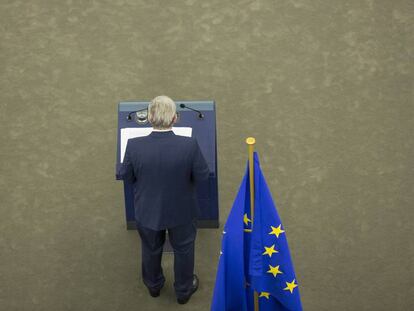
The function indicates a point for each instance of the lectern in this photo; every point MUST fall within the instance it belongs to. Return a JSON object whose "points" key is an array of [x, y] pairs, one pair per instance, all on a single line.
{"points": [[196, 119]]}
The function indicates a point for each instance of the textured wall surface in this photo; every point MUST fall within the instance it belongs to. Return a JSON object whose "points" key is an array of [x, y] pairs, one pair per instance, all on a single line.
{"points": [[326, 87]]}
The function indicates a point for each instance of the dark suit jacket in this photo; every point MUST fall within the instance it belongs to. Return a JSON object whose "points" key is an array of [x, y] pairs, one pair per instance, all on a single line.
{"points": [[164, 168]]}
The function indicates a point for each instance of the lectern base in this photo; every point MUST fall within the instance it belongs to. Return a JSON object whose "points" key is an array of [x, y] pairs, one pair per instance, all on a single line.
{"points": [[131, 225]]}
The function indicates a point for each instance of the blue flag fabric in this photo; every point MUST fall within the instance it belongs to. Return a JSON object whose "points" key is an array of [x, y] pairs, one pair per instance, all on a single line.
{"points": [[255, 255]]}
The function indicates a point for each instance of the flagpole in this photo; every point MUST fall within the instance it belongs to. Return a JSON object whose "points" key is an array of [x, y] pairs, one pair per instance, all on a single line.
{"points": [[250, 141]]}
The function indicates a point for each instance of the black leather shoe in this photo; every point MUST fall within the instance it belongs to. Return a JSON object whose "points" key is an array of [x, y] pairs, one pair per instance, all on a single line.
{"points": [[154, 293], [184, 300]]}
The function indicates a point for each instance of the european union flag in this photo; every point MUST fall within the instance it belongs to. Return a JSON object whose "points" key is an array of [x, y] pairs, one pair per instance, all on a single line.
{"points": [[255, 255]]}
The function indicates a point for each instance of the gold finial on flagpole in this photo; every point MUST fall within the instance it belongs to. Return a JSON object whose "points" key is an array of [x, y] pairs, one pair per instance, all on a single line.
{"points": [[250, 141]]}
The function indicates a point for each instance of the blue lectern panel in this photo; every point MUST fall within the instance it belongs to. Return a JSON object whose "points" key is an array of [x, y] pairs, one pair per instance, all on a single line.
{"points": [[204, 130]]}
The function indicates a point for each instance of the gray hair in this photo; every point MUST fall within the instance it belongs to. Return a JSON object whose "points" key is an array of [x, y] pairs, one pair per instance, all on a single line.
{"points": [[161, 112]]}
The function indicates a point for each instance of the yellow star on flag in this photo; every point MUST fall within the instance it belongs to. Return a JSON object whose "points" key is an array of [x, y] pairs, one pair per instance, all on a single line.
{"points": [[246, 219], [277, 231], [274, 270], [264, 294], [270, 250], [290, 286]]}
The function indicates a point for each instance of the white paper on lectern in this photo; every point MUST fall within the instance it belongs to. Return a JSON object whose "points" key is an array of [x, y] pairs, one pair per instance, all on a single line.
{"points": [[132, 132]]}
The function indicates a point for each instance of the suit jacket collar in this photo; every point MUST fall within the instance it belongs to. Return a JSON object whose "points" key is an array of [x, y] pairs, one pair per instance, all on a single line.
{"points": [[162, 134]]}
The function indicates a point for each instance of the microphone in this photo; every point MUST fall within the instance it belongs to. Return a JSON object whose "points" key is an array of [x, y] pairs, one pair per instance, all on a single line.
{"points": [[129, 117], [200, 115]]}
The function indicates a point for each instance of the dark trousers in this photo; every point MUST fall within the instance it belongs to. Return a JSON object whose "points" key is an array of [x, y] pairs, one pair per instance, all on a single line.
{"points": [[182, 241]]}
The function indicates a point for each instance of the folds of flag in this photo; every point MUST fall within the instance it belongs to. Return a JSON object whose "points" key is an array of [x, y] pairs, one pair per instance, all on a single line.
{"points": [[230, 288], [255, 255]]}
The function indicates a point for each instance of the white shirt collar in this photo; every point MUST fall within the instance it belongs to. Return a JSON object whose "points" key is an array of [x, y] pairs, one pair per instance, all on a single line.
{"points": [[166, 130]]}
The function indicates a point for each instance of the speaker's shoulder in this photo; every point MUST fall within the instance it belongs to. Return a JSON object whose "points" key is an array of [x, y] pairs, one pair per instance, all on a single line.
{"points": [[185, 139], [138, 140]]}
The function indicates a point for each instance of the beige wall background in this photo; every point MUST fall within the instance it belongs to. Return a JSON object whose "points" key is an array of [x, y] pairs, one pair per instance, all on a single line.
{"points": [[326, 87]]}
